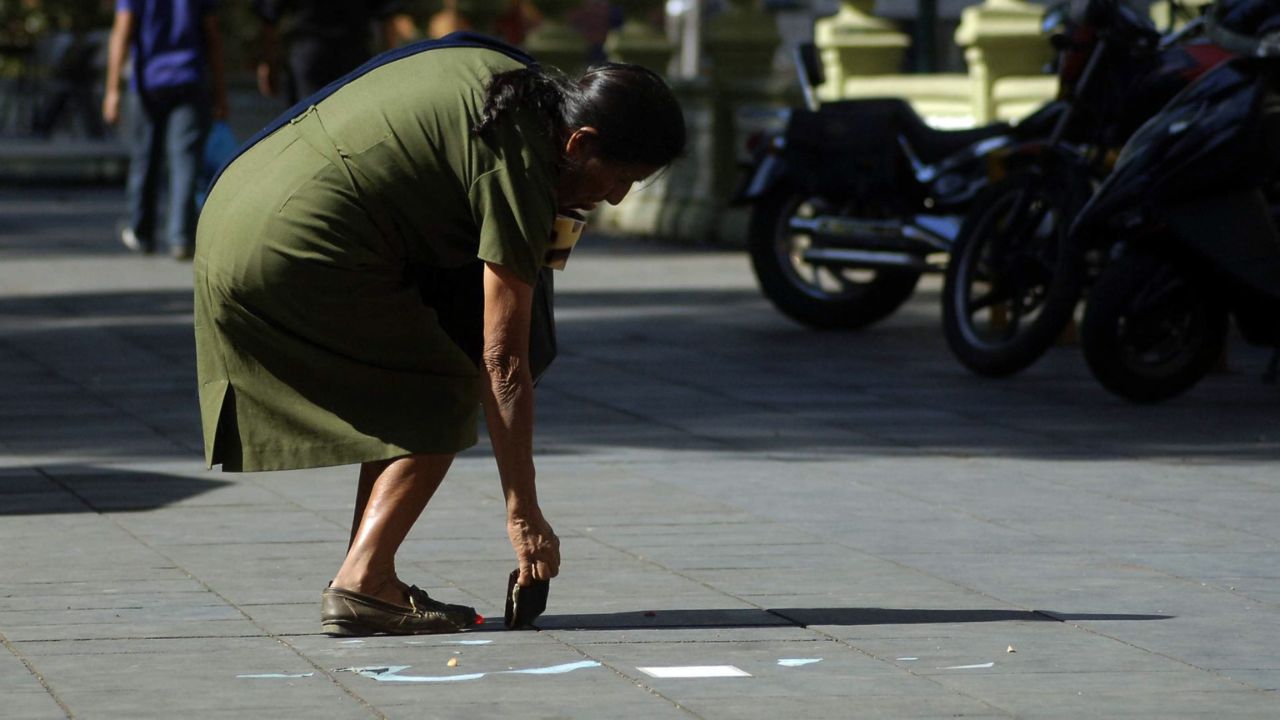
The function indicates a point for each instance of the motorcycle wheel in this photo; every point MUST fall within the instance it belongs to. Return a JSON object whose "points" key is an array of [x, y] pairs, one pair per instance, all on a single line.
{"points": [[820, 296], [1150, 330], [1013, 279]]}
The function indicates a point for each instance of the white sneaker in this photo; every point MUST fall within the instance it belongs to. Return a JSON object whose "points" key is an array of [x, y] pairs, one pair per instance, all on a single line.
{"points": [[130, 239]]}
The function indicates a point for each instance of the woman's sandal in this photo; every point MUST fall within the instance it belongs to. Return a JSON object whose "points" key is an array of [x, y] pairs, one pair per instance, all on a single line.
{"points": [[345, 613]]}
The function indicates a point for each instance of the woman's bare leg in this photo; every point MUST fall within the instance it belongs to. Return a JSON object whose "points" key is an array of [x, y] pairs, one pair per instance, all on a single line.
{"points": [[398, 492], [369, 473]]}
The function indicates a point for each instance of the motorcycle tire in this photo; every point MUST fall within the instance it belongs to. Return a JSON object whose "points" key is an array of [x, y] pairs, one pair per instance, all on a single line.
{"points": [[820, 296], [1037, 271], [1151, 329]]}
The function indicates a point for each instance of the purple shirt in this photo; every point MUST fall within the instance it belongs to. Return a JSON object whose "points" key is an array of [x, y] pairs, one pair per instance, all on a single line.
{"points": [[169, 46]]}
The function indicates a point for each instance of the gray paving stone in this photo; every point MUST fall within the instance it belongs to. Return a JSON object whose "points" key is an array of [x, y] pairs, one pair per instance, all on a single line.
{"points": [[24, 704], [729, 488]]}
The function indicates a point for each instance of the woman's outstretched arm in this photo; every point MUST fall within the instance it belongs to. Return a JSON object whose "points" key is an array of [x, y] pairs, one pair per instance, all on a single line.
{"points": [[508, 403]]}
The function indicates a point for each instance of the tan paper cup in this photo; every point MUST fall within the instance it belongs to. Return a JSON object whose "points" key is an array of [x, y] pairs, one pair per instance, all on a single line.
{"points": [[564, 235]]}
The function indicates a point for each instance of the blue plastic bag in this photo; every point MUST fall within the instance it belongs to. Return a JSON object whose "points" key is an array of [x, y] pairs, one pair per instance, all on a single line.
{"points": [[219, 148]]}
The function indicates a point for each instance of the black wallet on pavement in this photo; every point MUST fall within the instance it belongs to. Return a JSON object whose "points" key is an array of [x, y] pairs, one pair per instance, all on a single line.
{"points": [[524, 604]]}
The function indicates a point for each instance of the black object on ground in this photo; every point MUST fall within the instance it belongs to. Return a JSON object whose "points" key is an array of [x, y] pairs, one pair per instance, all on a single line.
{"points": [[524, 604]]}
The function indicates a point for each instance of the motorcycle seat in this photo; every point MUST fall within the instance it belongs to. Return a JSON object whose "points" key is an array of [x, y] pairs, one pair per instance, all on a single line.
{"points": [[931, 144], [897, 116]]}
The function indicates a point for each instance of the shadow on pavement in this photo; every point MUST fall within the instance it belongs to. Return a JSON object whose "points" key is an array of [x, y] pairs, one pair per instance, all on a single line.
{"points": [[804, 617], [87, 489], [700, 369], [130, 304]]}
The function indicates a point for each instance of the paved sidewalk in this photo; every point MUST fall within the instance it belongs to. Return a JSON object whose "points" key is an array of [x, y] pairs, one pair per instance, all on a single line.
{"points": [[850, 523]]}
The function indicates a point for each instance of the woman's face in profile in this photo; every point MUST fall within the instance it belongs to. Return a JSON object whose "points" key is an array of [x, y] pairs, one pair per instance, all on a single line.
{"points": [[586, 179]]}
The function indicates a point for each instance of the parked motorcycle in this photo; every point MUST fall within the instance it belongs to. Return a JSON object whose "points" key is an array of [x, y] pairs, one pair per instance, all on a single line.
{"points": [[1014, 281], [1190, 210], [853, 198]]}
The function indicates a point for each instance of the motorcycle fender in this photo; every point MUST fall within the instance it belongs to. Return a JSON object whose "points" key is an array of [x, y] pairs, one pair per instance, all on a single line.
{"points": [[1235, 231], [761, 180]]}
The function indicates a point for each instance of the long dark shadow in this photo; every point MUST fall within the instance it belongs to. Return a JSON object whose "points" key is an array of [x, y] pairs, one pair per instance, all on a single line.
{"points": [[804, 617], [55, 490]]}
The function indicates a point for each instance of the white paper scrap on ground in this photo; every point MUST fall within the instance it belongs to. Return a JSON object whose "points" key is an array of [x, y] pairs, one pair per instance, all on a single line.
{"points": [[467, 642], [555, 669], [970, 667], [350, 642], [694, 671], [797, 662], [908, 659], [391, 673], [275, 676]]}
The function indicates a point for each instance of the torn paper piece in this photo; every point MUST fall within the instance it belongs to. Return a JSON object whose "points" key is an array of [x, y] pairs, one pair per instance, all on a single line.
{"points": [[908, 659], [391, 673], [467, 642], [970, 667], [798, 662], [555, 669], [694, 671]]}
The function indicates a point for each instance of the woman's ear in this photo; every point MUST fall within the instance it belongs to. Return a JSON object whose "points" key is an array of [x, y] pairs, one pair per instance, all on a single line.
{"points": [[580, 143]]}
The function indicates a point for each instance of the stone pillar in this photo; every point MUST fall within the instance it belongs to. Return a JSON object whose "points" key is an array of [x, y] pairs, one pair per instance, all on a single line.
{"points": [[741, 43], [638, 41], [854, 42], [1000, 37], [554, 42]]}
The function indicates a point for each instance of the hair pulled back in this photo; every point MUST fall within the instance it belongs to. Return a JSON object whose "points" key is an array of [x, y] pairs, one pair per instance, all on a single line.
{"points": [[637, 117]]}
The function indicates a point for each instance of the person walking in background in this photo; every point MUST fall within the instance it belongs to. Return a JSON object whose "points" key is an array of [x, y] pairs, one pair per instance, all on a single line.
{"points": [[176, 89], [325, 40]]}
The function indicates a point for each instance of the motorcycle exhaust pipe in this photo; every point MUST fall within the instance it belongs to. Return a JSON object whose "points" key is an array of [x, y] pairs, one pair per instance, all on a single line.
{"points": [[870, 259], [888, 234]]}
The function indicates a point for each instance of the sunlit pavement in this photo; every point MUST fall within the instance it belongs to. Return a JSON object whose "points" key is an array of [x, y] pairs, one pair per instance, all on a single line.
{"points": [[758, 520]]}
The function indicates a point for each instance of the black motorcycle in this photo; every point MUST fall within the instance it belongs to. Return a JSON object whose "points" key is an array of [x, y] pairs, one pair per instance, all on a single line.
{"points": [[853, 201], [1013, 281], [1190, 215]]}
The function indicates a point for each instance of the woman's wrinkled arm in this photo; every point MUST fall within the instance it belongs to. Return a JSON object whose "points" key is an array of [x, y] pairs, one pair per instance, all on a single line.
{"points": [[507, 395]]}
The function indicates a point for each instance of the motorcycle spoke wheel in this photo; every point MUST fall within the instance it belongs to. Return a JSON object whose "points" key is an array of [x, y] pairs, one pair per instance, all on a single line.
{"points": [[818, 294], [1009, 286], [1013, 280], [822, 281]]}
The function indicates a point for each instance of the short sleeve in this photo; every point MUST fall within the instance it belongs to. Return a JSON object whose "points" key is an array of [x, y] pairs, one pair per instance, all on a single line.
{"points": [[514, 206]]}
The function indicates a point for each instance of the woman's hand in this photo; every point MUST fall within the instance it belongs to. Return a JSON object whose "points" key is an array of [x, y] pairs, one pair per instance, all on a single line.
{"points": [[536, 545]]}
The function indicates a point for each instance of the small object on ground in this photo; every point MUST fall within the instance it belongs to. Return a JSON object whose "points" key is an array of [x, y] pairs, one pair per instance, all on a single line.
{"points": [[1010, 649], [453, 662], [524, 604], [694, 671]]}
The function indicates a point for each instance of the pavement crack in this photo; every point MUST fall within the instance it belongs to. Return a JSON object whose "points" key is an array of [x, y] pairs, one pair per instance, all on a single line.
{"points": [[26, 662]]}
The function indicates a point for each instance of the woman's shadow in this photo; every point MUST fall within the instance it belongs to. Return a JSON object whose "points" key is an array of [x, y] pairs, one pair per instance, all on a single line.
{"points": [[804, 617]]}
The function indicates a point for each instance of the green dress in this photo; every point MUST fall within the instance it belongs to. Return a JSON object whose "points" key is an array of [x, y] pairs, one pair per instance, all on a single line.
{"points": [[313, 344]]}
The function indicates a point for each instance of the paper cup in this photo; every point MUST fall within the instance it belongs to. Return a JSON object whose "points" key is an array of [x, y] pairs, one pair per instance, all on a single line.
{"points": [[564, 235]]}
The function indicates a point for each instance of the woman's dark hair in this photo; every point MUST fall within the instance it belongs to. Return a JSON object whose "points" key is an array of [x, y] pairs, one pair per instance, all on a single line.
{"points": [[637, 116]]}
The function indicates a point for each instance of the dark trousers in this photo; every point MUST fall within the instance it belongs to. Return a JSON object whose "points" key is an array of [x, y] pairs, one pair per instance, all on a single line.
{"points": [[314, 63], [167, 130]]}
